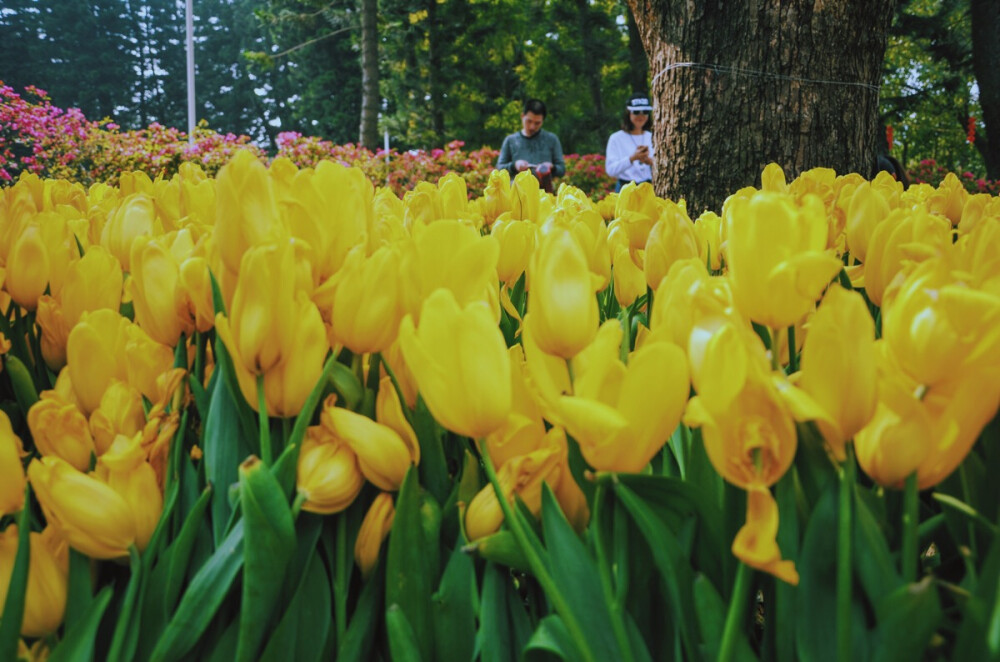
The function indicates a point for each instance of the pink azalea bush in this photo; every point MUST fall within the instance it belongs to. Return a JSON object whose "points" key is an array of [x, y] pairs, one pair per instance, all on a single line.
{"points": [[40, 138], [928, 171]]}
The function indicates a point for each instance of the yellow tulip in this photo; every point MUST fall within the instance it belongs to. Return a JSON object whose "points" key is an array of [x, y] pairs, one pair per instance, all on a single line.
{"points": [[146, 360], [638, 209], [367, 301], [288, 383], [382, 454], [328, 473], [562, 300], [936, 325], [838, 366], [866, 210], [459, 360], [452, 255], [454, 195], [60, 428], [686, 294], [93, 282], [904, 236], [622, 416], [949, 199], [374, 529], [125, 469], [772, 178], [777, 257], [756, 542], [246, 213], [120, 413], [629, 282], [547, 375], [496, 196], [157, 297], [389, 412], [55, 331], [672, 238], [28, 268], [263, 311], [89, 514], [196, 282], [95, 353], [517, 241], [421, 206], [135, 217], [523, 430], [48, 573], [11, 469], [524, 198], [521, 476], [708, 232]]}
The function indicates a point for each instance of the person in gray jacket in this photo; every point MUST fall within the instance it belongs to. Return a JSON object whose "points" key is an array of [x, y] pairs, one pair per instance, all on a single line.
{"points": [[533, 149]]}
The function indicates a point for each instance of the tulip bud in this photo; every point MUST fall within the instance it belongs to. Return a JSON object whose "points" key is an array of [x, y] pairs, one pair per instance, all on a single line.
{"points": [[156, 293], [135, 217], [124, 468], [263, 310], [95, 354], [671, 239], [517, 243], [120, 413], [374, 529], [89, 514], [367, 302], [562, 301], [328, 472], [28, 267], [11, 469], [92, 282], [630, 283], [55, 332], [246, 211]]}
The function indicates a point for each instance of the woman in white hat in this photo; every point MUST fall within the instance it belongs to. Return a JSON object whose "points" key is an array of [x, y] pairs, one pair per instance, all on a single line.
{"points": [[629, 156]]}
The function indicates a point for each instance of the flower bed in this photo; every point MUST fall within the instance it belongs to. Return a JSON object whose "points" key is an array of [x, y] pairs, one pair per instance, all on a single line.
{"points": [[277, 413]]}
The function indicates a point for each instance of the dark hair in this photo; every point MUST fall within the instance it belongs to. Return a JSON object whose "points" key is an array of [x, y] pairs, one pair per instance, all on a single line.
{"points": [[534, 106], [627, 122]]}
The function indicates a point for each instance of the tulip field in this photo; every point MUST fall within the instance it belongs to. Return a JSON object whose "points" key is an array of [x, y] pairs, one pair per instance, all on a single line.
{"points": [[277, 413]]}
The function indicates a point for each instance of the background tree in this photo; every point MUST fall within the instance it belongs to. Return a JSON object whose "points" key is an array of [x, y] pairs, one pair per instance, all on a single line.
{"points": [[758, 92]]}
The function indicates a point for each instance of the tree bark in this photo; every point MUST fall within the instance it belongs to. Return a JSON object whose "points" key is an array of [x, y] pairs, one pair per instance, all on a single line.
{"points": [[741, 84], [986, 65], [370, 99]]}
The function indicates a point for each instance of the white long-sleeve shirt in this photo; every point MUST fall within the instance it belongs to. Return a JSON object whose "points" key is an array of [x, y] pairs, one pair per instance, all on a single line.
{"points": [[621, 146]]}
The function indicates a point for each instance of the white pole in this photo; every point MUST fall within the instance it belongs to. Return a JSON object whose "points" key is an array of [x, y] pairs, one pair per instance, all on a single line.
{"points": [[190, 71], [387, 157]]}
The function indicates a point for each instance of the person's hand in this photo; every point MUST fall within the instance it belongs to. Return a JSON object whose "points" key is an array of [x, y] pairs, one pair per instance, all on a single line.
{"points": [[544, 168], [641, 154], [521, 165]]}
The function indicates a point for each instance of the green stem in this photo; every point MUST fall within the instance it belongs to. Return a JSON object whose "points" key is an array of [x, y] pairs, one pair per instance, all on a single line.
{"points": [[844, 560], [793, 360], [910, 514], [399, 392], [649, 306], [967, 497], [265, 427], [538, 568], [613, 597], [200, 341], [732, 633], [569, 370], [300, 499]]}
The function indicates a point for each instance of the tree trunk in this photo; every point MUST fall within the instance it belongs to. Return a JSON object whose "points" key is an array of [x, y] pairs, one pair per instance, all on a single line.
{"points": [[740, 84], [986, 64], [638, 69], [370, 99]]}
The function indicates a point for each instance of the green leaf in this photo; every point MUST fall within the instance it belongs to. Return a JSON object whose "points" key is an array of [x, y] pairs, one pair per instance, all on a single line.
{"points": [[403, 644], [782, 626], [504, 627], [873, 565], [306, 623], [433, 467], [270, 544], [78, 644], [907, 619], [224, 441], [202, 599], [125, 637], [979, 634], [178, 555], [357, 643], [13, 607], [454, 610], [345, 382], [79, 588], [576, 577], [408, 582], [711, 612], [551, 637], [21, 381], [816, 624], [671, 561]]}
